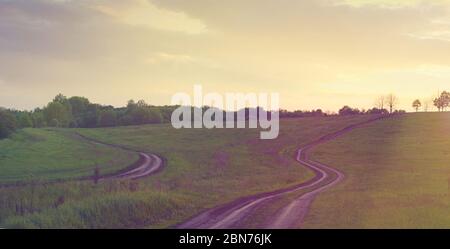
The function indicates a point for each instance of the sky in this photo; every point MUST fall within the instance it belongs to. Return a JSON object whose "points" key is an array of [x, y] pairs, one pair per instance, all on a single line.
{"points": [[314, 53]]}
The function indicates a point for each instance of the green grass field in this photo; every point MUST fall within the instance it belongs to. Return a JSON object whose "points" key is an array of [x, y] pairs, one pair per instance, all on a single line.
{"points": [[44, 154], [204, 168], [397, 175]]}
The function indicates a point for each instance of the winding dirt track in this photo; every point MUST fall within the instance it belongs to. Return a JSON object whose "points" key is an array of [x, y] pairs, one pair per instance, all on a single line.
{"points": [[232, 214], [147, 164]]}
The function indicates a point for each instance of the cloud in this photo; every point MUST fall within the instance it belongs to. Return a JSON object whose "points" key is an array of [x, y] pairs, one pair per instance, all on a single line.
{"points": [[390, 4], [132, 48], [438, 31], [86, 29], [439, 35], [142, 12]]}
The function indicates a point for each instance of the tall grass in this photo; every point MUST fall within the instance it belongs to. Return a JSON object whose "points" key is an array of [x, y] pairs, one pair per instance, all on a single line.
{"points": [[113, 204]]}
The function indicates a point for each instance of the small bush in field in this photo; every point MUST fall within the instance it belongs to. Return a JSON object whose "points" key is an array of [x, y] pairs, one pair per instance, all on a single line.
{"points": [[96, 175], [59, 201]]}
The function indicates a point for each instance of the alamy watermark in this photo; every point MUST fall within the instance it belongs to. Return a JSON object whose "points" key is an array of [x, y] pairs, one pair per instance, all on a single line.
{"points": [[233, 110]]}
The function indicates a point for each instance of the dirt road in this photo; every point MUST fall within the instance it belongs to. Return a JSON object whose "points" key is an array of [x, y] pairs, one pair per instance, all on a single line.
{"points": [[232, 214], [146, 165]]}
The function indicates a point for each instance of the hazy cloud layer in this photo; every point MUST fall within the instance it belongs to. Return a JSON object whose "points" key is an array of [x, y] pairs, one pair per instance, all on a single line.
{"points": [[322, 53]]}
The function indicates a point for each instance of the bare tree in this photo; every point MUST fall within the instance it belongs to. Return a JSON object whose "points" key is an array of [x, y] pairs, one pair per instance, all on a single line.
{"points": [[380, 102], [392, 102], [426, 105]]}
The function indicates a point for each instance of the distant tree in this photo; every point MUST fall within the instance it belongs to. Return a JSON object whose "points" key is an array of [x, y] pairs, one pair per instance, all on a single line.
{"points": [[60, 98], [8, 123], [78, 104], [346, 110], [66, 103], [298, 113], [38, 119], [377, 111], [392, 102], [399, 112], [141, 103], [380, 102], [24, 120], [89, 118], [438, 103], [141, 113], [57, 111], [79, 107], [426, 105], [443, 101], [417, 104], [446, 96], [131, 104]]}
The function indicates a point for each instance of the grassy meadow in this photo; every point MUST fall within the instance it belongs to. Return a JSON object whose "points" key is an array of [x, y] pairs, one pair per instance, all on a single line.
{"points": [[397, 175], [51, 154], [203, 168]]}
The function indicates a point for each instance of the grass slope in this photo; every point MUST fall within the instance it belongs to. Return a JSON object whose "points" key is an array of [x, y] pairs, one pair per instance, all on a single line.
{"points": [[204, 168], [397, 175], [41, 154]]}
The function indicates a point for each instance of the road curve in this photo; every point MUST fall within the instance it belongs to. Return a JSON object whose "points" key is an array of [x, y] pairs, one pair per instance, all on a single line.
{"points": [[300, 206], [147, 164], [231, 215]]}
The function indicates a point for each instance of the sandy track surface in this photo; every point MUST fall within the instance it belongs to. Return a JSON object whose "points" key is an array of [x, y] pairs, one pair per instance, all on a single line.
{"points": [[232, 214], [147, 164]]}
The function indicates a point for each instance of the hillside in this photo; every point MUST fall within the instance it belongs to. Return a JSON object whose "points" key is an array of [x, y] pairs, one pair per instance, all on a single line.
{"points": [[397, 175]]}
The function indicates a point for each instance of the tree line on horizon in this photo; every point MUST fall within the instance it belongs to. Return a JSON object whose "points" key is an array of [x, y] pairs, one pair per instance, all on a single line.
{"points": [[79, 112], [383, 105]]}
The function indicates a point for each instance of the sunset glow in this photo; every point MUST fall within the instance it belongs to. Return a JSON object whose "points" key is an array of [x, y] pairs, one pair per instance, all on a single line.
{"points": [[314, 53]]}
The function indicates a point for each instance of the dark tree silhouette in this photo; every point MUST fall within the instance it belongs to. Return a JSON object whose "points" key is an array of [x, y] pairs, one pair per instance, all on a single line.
{"points": [[417, 104], [392, 102], [443, 101], [346, 110]]}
